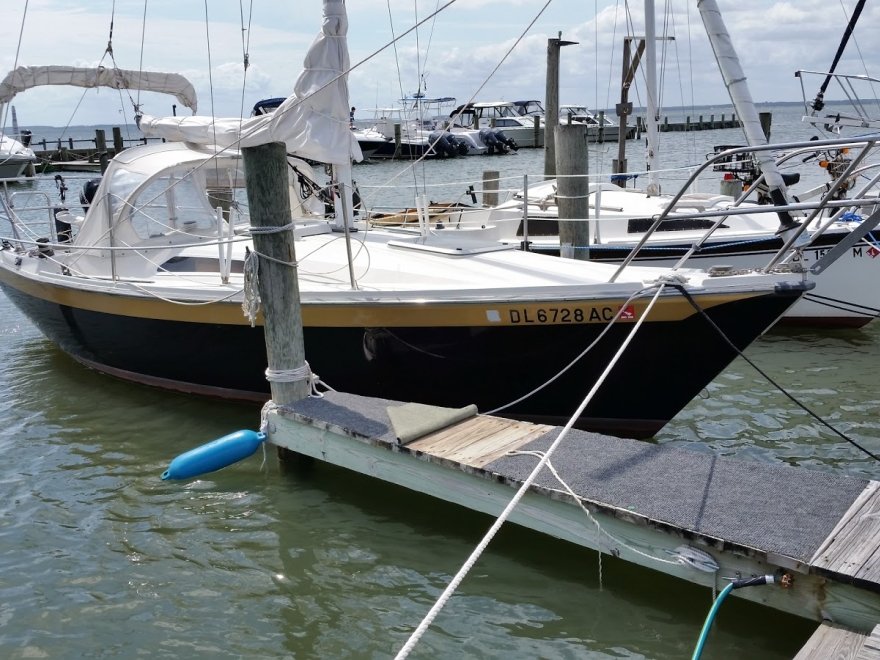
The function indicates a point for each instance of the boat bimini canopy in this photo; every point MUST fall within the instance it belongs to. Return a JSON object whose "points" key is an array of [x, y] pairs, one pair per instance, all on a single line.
{"points": [[26, 77]]}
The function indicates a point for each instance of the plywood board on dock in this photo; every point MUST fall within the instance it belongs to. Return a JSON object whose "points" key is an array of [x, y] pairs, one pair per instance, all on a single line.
{"points": [[478, 440], [635, 500]]}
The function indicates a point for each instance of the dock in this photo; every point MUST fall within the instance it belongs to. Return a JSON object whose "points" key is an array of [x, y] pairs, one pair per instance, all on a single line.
{"points": [[657, 506], [699, 123], [830, 641], [80, 155]]}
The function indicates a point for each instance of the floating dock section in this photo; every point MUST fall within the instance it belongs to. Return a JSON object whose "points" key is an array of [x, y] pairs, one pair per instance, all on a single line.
{"points": [[687, 513]]}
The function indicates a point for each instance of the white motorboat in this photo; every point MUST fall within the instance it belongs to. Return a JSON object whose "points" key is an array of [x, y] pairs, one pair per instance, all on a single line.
{"points": [[369, 140], [502, 116], [15, 157], [599, 128], [419, 128]]}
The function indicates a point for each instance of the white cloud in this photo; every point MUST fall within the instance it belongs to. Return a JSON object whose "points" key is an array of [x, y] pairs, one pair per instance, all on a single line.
{"points": [[455, 52]]}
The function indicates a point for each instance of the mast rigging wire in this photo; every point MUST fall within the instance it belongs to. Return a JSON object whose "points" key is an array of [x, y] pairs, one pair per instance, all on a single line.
{"points": [[819, 101]]}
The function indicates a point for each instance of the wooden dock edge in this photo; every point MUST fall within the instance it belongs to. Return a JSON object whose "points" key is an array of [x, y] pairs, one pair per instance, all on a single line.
{"points": [[840, 643], [847, 553], [623, 534]]}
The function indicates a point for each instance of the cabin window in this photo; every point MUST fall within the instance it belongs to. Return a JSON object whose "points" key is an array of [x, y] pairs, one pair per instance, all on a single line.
{"points": [[641, 225], [169, 205]]}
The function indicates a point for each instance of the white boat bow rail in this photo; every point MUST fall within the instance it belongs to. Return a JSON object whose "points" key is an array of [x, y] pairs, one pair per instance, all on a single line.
{"points": [[828, 201]]}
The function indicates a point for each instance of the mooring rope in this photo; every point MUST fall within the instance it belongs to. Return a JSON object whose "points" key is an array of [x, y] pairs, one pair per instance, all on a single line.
{"points": [[478, 551], [634, 296]]}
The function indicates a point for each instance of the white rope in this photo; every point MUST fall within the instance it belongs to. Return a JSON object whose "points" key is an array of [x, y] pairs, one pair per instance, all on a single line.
{"points": [[579, 501], [289, 375], [270, 230], [268, 407], [300, 373], [475, 555], [577, 358]]}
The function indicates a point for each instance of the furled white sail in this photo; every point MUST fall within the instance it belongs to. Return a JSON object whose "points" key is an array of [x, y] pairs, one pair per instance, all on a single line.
{"points": [[313, 121], [26, 77]]}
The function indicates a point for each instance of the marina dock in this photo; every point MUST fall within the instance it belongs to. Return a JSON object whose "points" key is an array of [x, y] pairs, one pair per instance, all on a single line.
{"points": [[699, 123], [686, 513]]}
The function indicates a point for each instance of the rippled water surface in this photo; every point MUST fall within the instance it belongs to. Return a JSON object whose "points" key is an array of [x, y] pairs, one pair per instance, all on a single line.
{"points": [[100, 558]]}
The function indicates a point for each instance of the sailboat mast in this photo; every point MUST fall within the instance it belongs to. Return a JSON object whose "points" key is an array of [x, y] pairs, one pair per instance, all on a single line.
{"points": [[741, 97], [651, 156]]}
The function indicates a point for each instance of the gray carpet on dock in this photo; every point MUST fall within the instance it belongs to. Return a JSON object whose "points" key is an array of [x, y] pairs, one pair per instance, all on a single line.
{"points": [[363, 416], [774, 508], [770, 507]]}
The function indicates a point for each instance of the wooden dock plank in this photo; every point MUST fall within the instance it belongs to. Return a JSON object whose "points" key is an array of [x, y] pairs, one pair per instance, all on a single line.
{"points": [[871, 648], [479, 440], [849, 549], [831, 642]]}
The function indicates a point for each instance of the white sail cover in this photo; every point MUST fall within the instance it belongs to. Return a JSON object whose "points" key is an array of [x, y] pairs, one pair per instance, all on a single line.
{"points": [[313, 121], [26, 77]]}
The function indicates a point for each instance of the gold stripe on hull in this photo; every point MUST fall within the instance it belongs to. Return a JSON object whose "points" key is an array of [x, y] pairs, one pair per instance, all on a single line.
{"points": [[375, 313]]}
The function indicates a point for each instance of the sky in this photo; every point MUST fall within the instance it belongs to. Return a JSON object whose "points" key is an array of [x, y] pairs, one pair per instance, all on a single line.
{"points": [[484, 50]]}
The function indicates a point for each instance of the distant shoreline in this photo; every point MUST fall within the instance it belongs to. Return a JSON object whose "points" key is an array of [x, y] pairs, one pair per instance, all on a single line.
{"points": [[670, 111]]}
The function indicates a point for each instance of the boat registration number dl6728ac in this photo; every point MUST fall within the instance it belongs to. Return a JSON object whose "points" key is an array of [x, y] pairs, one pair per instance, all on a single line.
{"points": [[562, 314]]}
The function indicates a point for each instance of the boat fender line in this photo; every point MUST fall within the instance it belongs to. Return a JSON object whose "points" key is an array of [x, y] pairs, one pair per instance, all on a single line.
{"points": [[215, 455], [755, 581]]}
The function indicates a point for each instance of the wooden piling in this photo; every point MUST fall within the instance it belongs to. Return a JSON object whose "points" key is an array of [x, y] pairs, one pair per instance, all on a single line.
{"points": [[766, 119], [551, 108], [572, 190], [490, 188], [268, 199], [118, 142], [396, 140], [551, 104]]}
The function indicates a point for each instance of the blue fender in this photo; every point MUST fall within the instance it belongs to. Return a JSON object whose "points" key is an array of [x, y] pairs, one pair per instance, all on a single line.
{"points": [[214, 455]]}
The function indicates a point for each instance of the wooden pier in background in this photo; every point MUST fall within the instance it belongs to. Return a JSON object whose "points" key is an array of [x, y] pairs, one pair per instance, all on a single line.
{"points": [[816, 532], [67, 155], [698, 124]]}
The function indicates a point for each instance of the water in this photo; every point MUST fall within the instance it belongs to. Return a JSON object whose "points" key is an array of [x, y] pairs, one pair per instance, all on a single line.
{"points": [[100, 558]]}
